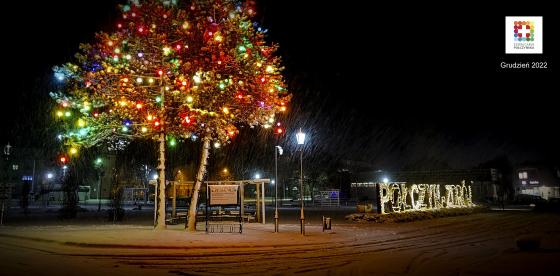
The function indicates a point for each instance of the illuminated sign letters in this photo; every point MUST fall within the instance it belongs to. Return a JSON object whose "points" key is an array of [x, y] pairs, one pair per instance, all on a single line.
{"points": [[400, 197]]}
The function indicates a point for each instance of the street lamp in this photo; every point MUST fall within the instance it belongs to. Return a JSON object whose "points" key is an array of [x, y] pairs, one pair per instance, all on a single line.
{"points": [[64, 169], [300, 136], [100, 173], [277, 150]]}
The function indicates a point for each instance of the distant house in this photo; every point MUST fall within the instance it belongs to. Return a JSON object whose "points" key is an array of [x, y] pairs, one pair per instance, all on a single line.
{"points": [[540, 181]]}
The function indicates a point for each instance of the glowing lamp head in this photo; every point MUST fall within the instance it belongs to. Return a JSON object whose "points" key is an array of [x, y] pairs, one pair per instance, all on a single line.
{"points": [[280, 150], [300, 137], [385, 180]]}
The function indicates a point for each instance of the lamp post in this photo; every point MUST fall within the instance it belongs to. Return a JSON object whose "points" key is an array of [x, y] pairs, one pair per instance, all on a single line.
{"points": [[277, 150], [300, 136], [98, 166], [7, 156]]}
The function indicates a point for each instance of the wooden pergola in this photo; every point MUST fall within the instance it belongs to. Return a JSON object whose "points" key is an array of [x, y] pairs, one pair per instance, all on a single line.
{"points": [[259, 183]]}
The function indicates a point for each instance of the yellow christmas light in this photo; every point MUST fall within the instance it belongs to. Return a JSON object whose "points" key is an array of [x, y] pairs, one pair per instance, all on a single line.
{"points": [[269, 69]]}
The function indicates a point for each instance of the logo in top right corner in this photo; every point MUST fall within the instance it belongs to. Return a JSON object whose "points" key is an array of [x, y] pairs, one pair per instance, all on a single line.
{"points": [[524, 35]]}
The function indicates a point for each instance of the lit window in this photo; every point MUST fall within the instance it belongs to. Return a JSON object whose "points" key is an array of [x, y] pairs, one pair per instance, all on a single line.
{"points": [[15, 167], [523, 182], [522, 175]]}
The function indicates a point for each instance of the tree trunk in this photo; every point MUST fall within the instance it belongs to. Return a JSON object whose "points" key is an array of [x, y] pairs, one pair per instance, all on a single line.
{"points": [[160, 222], [191, 220]]}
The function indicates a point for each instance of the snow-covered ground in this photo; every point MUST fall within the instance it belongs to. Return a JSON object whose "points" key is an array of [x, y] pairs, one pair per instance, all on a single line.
{"points": [[480, 244]]}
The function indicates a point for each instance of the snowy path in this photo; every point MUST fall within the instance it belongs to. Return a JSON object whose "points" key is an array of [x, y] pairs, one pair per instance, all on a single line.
{"points": [[479, 244]]}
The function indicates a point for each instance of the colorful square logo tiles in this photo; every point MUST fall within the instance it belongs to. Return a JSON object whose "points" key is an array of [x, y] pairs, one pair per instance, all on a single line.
{"points": [[524, 30]]}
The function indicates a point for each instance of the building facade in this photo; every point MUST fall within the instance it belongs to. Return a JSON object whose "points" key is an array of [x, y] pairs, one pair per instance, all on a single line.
{"points": [[542, 181]]}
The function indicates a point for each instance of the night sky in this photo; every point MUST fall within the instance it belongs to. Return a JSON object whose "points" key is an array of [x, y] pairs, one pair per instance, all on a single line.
{"points": [[395, 85]]}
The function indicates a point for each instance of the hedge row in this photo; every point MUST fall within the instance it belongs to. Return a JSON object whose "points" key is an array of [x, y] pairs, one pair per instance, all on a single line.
{"points": [[414, 215]]}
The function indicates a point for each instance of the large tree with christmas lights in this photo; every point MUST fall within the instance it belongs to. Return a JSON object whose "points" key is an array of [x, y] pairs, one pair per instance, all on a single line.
{"points": [[172, 70]]}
